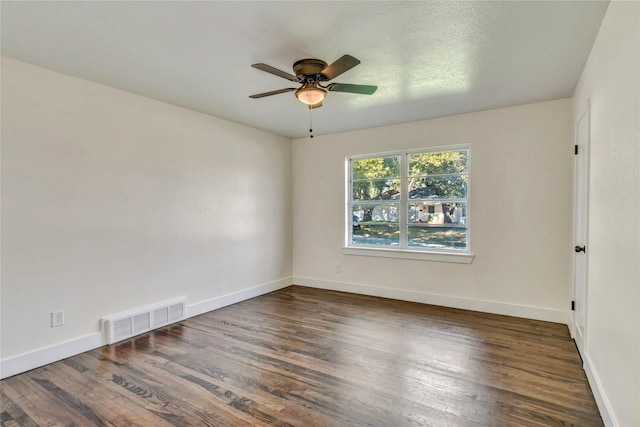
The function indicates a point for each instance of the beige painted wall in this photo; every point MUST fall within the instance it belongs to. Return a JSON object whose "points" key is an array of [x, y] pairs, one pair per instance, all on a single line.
{"points": [[611, 80], [521, 175], [112, 201]]}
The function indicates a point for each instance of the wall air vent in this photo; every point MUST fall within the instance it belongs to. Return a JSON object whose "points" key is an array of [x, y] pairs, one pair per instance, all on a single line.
{"points": [[121, 326]]}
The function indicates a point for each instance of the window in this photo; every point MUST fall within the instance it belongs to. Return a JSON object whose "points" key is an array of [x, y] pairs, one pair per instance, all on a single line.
{"points": [[413, 200]]}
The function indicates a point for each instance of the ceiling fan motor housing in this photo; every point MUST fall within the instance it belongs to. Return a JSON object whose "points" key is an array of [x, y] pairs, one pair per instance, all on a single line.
{"points": [[309, 67]]}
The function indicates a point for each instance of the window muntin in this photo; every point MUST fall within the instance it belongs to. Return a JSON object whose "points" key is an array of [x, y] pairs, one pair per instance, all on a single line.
{"points": [[414, 200]]}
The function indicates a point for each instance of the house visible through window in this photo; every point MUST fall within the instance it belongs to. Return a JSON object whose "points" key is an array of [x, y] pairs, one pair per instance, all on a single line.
{"points": [[416, 200]]}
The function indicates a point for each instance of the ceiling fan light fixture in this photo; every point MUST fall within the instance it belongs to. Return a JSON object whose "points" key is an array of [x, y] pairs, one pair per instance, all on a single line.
{"points": [[310, 94]]}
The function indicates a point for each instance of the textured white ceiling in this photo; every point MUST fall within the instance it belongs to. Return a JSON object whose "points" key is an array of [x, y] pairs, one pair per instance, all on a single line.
{"points": [[429, 59]]}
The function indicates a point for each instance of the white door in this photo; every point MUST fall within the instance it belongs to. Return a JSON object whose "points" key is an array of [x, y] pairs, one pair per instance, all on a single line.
{"points": [[581, 251]]}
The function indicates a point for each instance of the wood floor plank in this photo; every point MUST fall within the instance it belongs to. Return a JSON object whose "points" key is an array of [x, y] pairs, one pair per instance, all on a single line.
{"points": [[307, 357], [94, 390], [44, 408], [166, 399], [12, 414]]}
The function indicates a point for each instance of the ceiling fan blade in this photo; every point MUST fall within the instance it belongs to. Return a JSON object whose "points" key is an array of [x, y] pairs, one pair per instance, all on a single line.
{"points": [[275, 71], [345, 63], [273, 92], [349, 88]]}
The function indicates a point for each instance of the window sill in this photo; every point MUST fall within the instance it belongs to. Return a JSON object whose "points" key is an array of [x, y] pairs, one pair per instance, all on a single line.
{"points": [[458, 258]]}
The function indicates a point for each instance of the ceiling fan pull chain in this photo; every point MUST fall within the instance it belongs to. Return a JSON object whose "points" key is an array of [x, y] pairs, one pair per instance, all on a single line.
{"points": [[310, 123]]}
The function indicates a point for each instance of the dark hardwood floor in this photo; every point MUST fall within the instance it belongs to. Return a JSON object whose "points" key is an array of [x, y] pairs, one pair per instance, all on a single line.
{"points": [[307, 357]]}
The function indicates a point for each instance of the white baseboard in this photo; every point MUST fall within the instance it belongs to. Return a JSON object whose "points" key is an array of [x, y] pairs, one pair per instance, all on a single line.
{"points": [[43, 356], [525, 311], [601, 399], [232, 298]]}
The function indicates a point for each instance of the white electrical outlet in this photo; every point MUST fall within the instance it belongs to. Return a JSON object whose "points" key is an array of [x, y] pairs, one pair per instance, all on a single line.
{"points": [[57, 318], [338, 268]]}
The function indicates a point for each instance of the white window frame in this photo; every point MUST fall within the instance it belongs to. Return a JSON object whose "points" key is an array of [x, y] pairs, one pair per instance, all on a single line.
{"points": [[403, 251]]}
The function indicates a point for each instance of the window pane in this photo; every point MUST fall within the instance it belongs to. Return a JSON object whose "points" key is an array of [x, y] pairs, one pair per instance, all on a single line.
{"points": [[438, 187], [381, 189], [437, 213], [375, 234], [425, 236], [375, 212], [436, 163], [375, 168]]}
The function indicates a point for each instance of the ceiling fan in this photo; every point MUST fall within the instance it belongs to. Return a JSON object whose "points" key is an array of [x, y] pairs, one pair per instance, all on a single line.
{"points": [[311, 73]]}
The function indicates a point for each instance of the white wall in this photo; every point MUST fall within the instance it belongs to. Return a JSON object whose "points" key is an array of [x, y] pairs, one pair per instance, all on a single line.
{"points": [[112, 201], [611, 79], [521, 175]]}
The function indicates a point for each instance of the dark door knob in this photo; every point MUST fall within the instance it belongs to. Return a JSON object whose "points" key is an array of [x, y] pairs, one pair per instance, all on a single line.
{"points": [[580, 249]]}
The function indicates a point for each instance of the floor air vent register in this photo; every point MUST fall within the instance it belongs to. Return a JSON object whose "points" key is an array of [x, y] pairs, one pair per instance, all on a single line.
{"points": [[121, 326]]}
